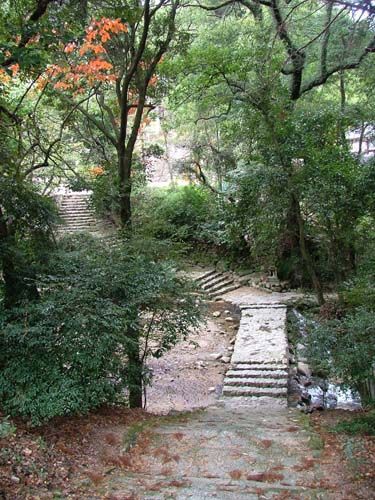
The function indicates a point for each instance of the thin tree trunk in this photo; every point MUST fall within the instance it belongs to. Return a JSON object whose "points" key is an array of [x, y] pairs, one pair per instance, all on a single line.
{"points": [[343, 107], [125, 188], [306, 256], [135, 365]]}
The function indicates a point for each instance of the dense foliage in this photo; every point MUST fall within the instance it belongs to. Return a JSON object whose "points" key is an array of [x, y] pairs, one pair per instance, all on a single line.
{"points": [[67, 352], [261, 96]]}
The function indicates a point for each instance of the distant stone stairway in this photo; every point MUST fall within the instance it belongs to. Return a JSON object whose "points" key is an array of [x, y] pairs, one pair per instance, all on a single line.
{"points": [[215, 283], [77, 215]]}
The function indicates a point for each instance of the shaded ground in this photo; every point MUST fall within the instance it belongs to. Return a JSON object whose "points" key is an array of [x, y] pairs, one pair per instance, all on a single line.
{"points": [[189, 376], [232, 451]]}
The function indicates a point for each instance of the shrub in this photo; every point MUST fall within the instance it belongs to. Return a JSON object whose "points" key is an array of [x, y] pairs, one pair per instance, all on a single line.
{"points": [[67, 352], [181, 214], [362, 424], [345, 349]]}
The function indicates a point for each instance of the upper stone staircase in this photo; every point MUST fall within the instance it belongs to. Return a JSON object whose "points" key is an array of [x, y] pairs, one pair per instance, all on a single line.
{"points": [[77, 214], [215, 283]]}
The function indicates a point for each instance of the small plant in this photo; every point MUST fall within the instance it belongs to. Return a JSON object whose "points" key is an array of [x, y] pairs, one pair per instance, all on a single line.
{"points": [[7, 429]]}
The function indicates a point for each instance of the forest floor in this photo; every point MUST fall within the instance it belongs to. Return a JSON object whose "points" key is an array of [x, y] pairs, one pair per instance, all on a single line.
{"points": [[189, 444]]}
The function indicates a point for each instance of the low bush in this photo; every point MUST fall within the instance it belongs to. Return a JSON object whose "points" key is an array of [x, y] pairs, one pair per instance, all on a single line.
{"points": [[345, 349], [362, 424], [67, 352]]}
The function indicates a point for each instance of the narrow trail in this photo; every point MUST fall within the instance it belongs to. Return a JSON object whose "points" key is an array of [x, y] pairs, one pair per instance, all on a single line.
{"points": [[237, 447], [230, 434]]}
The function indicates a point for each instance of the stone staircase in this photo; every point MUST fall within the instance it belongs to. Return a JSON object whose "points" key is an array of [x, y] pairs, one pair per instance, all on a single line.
{"points": [[77, 215], [259, 364], [216, 283]]}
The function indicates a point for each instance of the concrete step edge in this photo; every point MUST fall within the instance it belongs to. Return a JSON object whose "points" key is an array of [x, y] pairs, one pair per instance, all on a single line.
{"points": [[255, 391], [254, 382], [275, 374]]}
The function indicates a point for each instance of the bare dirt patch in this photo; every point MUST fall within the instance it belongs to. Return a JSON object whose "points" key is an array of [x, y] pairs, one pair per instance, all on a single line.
{"points": [[189, 376]]}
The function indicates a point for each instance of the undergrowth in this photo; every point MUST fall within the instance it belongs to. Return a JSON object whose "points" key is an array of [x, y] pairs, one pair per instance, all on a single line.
{"points": [[363, 424]]}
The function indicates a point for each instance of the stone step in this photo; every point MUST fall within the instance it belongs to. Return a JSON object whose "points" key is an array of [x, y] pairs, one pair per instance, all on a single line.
{"points": [[78, 199], [259, 366], [78, 230], [78, 213], [274, 374], [262, 306], [80, 226], [206, 275], [222, 283], [215, 281], [73, 207], [70, 203], [78, 218], [254, 391], [209, 278], [256, 382], [224, 290]]}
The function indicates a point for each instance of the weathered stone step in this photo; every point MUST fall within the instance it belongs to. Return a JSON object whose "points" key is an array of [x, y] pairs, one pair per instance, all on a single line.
{"points": [[75, 203], [79, 213], [206, 275], [79, 229], [259, 366], [87, 218], [203, 281], [215, 281], [254, 391], [273, 374], [256, 382], [222, 284], [79, 226], [224, 290], [75, 208], [262, 306]]}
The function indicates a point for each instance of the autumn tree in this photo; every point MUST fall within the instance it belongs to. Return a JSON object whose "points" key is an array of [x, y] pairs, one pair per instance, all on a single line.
{"points": [[113, 69], [29, 31]]}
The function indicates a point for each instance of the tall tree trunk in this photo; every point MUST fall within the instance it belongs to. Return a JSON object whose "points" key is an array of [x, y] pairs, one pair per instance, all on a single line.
{"points": [[343, 109], [8, 270], [125, 188], [305, 253], [135, 366]]}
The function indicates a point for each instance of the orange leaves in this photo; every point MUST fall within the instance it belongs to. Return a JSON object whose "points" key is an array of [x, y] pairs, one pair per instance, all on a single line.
{"points": [[95, 48], [153, 81], [96, 171], [14, 69], [87, 62], [4, 77], [70, 47], [104, 28]]}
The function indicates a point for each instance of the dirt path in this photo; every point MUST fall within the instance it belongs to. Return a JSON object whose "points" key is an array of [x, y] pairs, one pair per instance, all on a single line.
{"points": [[190, 376], [226, 449]]}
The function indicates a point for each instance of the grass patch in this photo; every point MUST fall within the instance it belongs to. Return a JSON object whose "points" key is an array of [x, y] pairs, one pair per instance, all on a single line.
{"points": [[362, 424]]}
